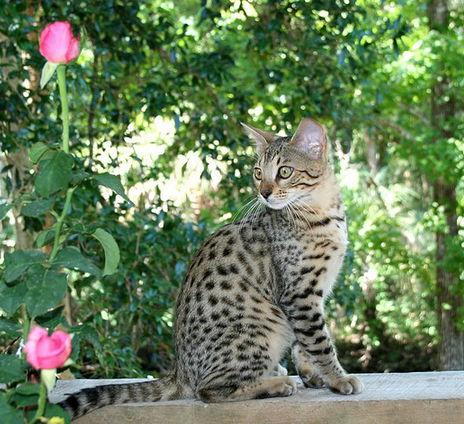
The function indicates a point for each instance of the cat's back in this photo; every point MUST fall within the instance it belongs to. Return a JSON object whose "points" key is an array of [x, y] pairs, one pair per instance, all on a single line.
{"points": [[234, 259], [228, 295]]}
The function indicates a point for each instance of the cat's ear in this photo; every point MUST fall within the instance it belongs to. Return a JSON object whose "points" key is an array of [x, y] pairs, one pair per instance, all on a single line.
{"points": [[310, 138], [262, 138]]}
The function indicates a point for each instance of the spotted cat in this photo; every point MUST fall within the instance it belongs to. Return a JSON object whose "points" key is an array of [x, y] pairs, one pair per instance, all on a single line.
{"points": [[256, 288]]}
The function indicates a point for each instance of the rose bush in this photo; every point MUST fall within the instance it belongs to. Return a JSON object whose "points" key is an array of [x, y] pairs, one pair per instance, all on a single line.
{"points": [[39, 282], [58, 44], [44, 352]]}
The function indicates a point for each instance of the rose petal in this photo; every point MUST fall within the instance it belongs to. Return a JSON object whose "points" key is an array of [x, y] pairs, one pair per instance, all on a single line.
{"points": [[55, 42], [73, 50], [35, 335], [31, 354], [64, 339]]}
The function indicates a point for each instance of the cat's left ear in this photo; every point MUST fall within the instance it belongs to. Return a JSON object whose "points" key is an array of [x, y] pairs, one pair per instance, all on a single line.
{"points": [[262, 138], [310, 138]]}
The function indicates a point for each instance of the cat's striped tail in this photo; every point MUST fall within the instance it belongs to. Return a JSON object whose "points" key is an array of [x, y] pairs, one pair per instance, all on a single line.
{"points": [[81, 403]]}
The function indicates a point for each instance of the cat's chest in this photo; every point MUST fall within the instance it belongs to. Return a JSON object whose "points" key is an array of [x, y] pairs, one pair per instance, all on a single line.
{"points": [[292, 239], [301, 253]]}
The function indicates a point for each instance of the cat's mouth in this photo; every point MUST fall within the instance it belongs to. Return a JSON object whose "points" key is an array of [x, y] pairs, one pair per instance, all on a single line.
{"points": [[273, 203]]}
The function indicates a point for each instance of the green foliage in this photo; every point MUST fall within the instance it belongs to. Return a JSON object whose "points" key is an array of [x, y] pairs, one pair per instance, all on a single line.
{"points": [[13, 369]]}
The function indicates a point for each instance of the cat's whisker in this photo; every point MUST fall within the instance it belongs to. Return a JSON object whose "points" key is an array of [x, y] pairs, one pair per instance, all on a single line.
{"points": [[244, 206], [251, 214], [290, 213], [295, 205], [309, 209], [257, 207]]}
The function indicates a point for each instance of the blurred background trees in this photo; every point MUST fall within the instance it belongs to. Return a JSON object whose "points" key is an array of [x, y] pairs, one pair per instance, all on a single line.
{"points": [[157, 97]]}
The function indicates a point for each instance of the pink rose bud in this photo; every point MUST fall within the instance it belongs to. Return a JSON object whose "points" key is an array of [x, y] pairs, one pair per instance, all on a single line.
{"points": [[57, 43], [46, 353]]}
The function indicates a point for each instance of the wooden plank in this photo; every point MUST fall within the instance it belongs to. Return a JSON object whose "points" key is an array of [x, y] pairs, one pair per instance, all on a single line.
{"points": [[422, 398]]}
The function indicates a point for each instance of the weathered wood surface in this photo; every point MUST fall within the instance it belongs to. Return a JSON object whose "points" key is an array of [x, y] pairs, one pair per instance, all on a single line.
{"points": [[422, 398]]}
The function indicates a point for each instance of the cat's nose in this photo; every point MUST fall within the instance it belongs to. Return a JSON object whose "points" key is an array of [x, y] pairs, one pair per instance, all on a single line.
{"points": [[265, 193]]}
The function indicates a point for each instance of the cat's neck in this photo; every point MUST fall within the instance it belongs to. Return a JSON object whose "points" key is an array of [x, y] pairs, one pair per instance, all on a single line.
{"points": [[323, 215], [325, 201]]}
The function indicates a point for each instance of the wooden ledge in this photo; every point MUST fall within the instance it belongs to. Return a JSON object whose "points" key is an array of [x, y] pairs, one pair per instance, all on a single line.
{"points": [[422, 398]]}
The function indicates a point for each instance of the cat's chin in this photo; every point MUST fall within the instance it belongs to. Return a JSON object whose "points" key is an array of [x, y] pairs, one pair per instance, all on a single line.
{"points": [[275, 204]]}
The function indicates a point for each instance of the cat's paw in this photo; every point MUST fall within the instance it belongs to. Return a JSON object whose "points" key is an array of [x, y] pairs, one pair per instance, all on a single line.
{"points": [[279, 370], [285, 387], [313, 381], [309, 376], [347, 385]]}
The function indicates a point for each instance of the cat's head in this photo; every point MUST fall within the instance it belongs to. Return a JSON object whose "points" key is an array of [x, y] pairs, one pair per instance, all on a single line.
{"points": [[290, 169]]}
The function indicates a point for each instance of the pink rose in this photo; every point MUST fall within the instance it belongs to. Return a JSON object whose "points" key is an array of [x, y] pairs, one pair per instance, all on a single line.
{"points": [[57, 43], [47, 352]]}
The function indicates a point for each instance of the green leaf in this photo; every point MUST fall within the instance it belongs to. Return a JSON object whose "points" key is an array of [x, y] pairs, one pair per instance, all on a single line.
{"points": [[18, 262], [24, 401], [11, 297], [9, 327], [12, 369], [77, 176], [53, 410], [47, 72], [4, 208], [83, 333], [37, 207], [111, 250], [55, 175], [112, 182], [51, 319], [38, 150], [28, 389], [72, 258], [446, 306], [47, 236], [46, 289], [8, 414]]}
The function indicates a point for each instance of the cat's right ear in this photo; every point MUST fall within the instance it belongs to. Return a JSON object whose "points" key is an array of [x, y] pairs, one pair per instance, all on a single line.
{"points": [[310, 138], [262, 138]]}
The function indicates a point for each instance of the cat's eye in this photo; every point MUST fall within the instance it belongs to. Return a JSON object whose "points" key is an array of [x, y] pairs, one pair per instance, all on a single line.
{"points": [[285, 172], [258, 174]]}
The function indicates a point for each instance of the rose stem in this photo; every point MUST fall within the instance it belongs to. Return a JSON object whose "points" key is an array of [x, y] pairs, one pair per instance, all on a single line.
{"points": [[64, 105], [65, 119]]}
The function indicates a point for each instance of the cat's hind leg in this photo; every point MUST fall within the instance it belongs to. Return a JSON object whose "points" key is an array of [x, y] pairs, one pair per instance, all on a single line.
{"points": [[268, 387]]}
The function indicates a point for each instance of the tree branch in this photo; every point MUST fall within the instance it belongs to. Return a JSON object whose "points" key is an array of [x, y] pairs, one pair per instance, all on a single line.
{"points": [[403, 132], [414, 112]]}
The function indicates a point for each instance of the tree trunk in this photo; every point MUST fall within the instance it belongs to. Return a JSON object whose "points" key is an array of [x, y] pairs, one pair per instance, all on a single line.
{"points": [[451, 349]]}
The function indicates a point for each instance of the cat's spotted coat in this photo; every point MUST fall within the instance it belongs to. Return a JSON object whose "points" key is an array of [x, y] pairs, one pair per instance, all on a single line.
{"points": [[257, 288]]}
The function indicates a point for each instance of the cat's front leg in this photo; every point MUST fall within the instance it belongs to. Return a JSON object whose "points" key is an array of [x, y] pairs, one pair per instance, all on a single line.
{"points": [[314, 353], [306, 371]]}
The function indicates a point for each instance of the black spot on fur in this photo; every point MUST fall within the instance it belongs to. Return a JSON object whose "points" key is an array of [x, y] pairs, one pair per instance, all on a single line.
{"points": [[213, 300], [320, 271], [222, 270], [225, 285], [307, 270]]}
